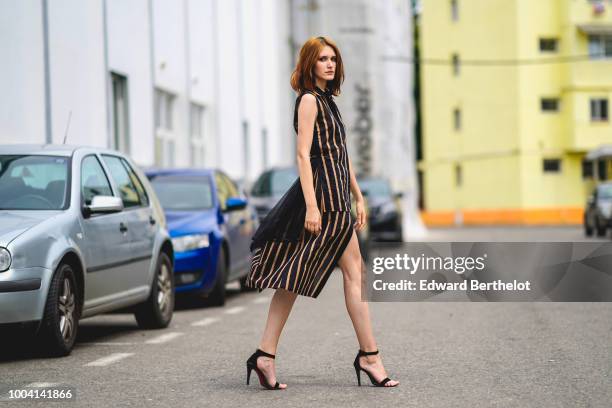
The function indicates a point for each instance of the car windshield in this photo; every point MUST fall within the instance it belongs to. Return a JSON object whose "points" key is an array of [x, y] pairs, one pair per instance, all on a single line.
{"points": [[282, 180], [605, 191], [33, 182], [183, 193], [375, 187]]}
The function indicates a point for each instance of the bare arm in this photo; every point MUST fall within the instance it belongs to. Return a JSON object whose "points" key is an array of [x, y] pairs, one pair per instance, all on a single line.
{"points": [[307, 113], [354, 186]]}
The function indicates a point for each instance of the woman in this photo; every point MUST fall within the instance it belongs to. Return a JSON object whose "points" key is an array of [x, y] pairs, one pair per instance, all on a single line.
{"points": [[311, 230]]}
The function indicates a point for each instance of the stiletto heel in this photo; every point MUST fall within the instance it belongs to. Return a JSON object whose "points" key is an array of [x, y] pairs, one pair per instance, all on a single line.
{"points": [[359, 368], [252, 365], [358, 373]]}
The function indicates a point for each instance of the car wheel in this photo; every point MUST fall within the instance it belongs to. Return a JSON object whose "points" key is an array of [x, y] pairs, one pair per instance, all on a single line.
{"points": [[156, 312], [588, 230], [217, 296], [58, 328], [601, 231]]}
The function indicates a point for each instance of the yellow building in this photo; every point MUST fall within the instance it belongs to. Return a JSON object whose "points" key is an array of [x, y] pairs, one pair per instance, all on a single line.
{"points": [[514, 93]]}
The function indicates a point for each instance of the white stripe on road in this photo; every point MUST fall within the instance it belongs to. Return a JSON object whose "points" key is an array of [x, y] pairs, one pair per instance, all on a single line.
{"points": [[109, 343], [234, 310], [262, 299], [164, 338], [104, 361], [41, 385], [206, 321]]}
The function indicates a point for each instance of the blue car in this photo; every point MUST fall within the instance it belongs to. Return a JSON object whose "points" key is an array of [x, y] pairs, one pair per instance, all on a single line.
{"points": [[211, 225]]}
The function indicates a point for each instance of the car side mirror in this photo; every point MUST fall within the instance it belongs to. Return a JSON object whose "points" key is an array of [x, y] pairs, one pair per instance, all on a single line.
{"points": [[235, 203], [104, 205]]}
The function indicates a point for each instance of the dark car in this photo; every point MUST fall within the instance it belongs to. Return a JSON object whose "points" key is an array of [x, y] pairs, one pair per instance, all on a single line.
{"points": [[273, 183], [598, 210], [211, 225], [385, 215], [270, 187]]}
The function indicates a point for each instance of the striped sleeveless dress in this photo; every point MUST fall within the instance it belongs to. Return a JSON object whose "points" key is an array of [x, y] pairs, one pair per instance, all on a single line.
{"points": [[285, 254]]}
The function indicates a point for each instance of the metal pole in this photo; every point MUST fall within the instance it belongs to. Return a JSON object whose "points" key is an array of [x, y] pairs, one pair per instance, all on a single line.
{"points": [[107, 85], [188, 78], [48, 123]]}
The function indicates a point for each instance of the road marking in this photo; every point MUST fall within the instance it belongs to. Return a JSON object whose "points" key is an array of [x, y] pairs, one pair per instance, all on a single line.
{"points": [[104, 361], [206, 321], [262, 299], [164, 338], [234, 310], [41, 385], [110, 343]]}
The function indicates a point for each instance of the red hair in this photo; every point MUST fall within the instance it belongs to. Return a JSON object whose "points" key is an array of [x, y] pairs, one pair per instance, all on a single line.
{"points": [[303, 77]]}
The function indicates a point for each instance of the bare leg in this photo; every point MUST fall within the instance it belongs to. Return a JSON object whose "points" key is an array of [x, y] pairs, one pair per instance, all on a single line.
{"points": [[351, 265], [280, 307]]}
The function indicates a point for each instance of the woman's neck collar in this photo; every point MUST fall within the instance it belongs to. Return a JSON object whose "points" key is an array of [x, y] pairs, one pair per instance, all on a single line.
{"points": [[323, 91]]}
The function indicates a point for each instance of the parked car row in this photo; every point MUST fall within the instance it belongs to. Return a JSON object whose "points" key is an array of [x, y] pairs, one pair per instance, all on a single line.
{"points": [[84, 231]]}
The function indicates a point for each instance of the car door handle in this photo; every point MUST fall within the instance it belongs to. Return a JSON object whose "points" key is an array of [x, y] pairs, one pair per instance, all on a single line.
{"points": [[123, 227], [152, 220]]}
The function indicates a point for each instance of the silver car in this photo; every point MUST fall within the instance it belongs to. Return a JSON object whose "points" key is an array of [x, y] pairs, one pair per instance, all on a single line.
{"points": [[81, 233]]}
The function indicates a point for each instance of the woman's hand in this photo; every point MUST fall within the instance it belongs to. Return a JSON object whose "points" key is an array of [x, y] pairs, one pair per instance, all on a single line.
{"points": [[313, 220], [361, 215]]}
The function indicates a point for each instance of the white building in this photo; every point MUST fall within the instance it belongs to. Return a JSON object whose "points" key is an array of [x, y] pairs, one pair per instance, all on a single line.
{"points": [[170, 82]]}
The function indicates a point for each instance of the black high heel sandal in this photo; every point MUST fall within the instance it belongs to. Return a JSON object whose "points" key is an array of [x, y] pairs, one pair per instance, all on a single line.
{"points": [[252, 365], [358, 369]]}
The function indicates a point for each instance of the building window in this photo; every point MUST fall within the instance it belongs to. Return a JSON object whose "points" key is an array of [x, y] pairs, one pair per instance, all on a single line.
{"points": [[164, 104], [457, 118], [599, 110], [551, 165], [454, 10], [165, 139], [121, 134], [197, 135], [600, 46], [587, 169], [456, 64], [549, 104], [549, 44], [602, 170], [458, 175]]}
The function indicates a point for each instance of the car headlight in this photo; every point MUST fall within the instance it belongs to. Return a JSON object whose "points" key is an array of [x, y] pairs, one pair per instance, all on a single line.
{"points": [[5, 259], [189, 242]]}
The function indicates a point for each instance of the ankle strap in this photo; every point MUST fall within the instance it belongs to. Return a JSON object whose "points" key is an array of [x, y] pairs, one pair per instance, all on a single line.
{"points": [[367, 353], [263, 353]]}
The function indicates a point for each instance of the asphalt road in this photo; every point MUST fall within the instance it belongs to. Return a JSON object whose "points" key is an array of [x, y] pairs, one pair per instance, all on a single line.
{"points": [[444, 354]]}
